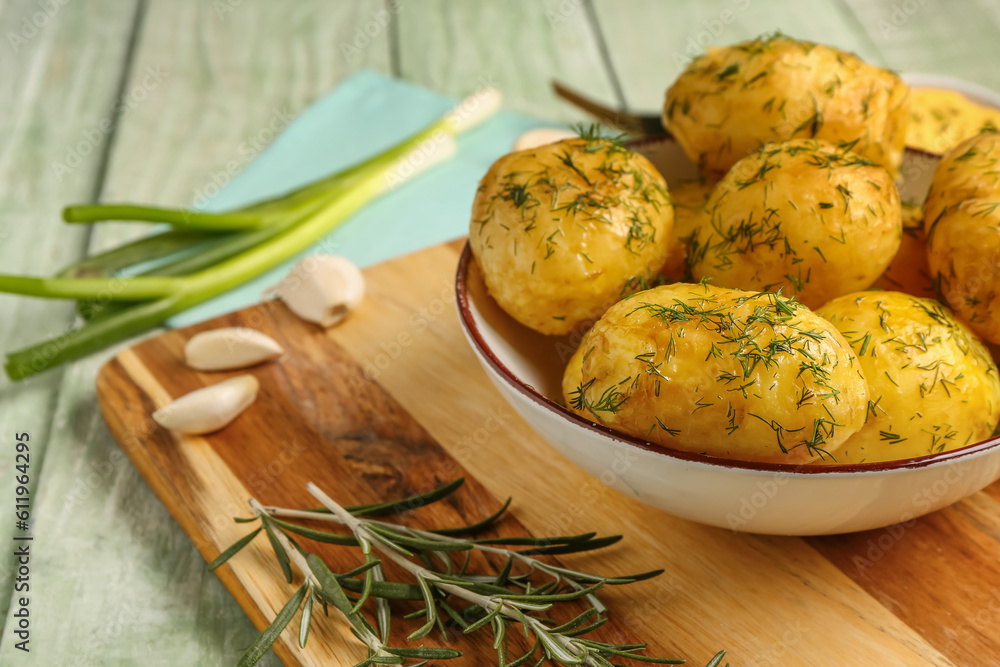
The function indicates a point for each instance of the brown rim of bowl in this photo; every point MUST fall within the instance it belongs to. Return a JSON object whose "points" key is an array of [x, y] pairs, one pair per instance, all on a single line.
{"points": [[465, 316]]}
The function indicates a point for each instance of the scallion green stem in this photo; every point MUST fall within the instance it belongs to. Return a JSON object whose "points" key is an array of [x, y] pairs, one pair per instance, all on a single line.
{"points": [[91, 338], [180, 218], [115, 289], [148, 248]]}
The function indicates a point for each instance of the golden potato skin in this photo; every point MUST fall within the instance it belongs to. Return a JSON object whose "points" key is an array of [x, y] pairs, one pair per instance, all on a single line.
{"points": [[940, 119], [729, 373], [932, 385], [968, 171], [802, 216], [731, 100], [572, 379], [561, 230], [909, 270], [689, 200], [963, 251]]}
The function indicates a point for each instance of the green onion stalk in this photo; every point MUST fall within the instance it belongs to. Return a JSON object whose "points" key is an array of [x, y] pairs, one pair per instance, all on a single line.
{"points": [[229, 248]]}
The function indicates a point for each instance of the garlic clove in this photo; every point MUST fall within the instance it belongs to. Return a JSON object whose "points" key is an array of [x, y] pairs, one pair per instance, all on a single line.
{"points": [[322, 288], [229, 348], [210, 408], [540, 137]]}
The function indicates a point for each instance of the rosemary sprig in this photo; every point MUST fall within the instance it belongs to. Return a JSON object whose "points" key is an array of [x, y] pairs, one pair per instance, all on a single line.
{"points": [[452, 595]]}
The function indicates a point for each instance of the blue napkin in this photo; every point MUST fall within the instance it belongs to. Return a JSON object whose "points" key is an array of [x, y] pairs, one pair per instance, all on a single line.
{"points": [[364, 115]]}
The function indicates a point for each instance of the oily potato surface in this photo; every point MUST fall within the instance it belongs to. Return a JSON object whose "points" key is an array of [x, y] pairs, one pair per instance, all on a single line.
{"points": [[803, 216], [963, 253], [932, 384], [560, 231], [968, 171], [750, 376], [731, 100]]}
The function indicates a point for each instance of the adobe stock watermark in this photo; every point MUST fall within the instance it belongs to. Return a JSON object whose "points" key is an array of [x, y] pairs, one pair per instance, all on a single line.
{"points": [[563, 12], [93, 649], [246, 151], [32, 25], [467, 113], [973, 284], [92, 137], [418, 323], [751, 505], [261, 479], [710, 33], [775, 654], [923, 502], [590, 493], [365, 33], [976, 621], [89, 480], [898, 17], [223, 7]]}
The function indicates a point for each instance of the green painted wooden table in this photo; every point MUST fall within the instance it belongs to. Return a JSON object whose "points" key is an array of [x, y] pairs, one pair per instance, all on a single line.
{"points": [[142, 100]]}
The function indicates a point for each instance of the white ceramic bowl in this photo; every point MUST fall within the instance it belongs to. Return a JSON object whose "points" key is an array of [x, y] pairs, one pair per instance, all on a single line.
{"points": [[754, 497]]}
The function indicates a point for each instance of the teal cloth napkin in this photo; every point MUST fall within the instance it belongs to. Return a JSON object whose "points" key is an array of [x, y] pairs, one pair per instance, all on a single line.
{"points": [[364, 115]]}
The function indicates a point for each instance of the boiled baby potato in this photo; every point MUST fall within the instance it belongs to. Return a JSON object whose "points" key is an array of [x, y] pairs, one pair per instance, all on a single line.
{"points": [[932, 385], [963, 252], [731, 100], [804, 216], [734, 374], [561, 231], [968, 171], [689, 199], [909, 270], [941, 118]]}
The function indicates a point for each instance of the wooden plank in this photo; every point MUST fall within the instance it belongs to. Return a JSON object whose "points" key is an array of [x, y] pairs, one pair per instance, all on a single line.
{"points": [[957, 38], [59, 73], [651, 42], [518, 46], [204, 80], [940, 574]]}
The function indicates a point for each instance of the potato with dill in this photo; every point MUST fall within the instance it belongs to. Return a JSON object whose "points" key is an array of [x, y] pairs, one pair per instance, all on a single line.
{"points": [[731, 100], [968, 171], [734, 374], [963, 251], [941, 118], [561, 231], [932, 384], [962, 225], [804, 216]]}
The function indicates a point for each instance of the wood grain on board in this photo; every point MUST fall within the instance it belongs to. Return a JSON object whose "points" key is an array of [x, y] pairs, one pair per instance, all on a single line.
{"points": [[927, 597], [317, 418]]}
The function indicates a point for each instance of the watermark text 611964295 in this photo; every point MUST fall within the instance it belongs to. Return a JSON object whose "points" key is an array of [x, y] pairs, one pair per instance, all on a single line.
{"points": [[21, 621]]}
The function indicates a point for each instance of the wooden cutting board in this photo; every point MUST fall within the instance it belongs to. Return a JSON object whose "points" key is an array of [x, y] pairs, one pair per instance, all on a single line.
{"points": [[393, 402]]}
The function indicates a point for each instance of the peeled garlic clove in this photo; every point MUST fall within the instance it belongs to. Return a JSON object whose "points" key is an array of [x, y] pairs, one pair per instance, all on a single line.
{"points": [[540, 137], [229, 348], [322, 289], [210, 408]]}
